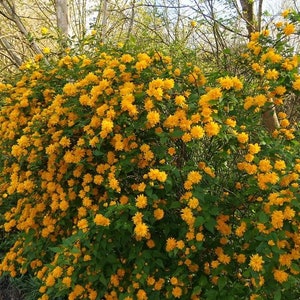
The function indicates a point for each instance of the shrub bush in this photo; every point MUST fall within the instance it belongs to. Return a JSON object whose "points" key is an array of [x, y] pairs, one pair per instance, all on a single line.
{"points": [[127, 177]]}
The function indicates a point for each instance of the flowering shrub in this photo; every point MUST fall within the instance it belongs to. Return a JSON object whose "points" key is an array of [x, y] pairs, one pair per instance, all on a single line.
{"points": [[127, 177]]}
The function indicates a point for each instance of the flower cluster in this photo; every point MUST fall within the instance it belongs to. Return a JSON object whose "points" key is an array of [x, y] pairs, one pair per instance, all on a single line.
{"points": [[126, 177]]}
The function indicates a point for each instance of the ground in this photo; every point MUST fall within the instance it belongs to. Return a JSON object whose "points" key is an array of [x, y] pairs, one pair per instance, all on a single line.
{"points": [[8, 291]]}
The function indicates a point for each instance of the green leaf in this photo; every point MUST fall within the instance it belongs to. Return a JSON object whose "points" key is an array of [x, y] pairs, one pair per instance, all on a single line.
{"points": [[262, 217], [203, 281], [175, 204], [277, 295], [160, 263], [56, 249], [199, 221], [222, 281], [210, 225]]}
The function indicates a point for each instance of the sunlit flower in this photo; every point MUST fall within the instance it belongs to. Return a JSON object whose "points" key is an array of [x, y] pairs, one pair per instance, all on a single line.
{"points": [[212, 129], [280, 276], [289, 29], [171, 244], [101, 220], [177, 292], [158, 213], [141, 230], [141, 201], [243, 137], [256, 262]]}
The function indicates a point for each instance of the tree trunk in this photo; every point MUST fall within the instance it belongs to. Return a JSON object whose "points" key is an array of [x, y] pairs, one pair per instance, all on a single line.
{"points": [[248, 14], [62, 19], [11, 14], [104, 21], [14, 58]]}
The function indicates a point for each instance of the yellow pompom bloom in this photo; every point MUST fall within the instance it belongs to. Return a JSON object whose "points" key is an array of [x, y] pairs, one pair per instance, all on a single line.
{"points": [[254, 148], [194, 177], [265, 165], [141, 201], [177, 292], [272, 74], [141, 230], [226, 82], [285, 13], [277, 218], [158, 213], [289, 29], [296, 84], [242, 137], [171, 244], [280, 276], [101, 220], [50, 281], [256, 262], [197, 132], [212, 129], [153, 118]]}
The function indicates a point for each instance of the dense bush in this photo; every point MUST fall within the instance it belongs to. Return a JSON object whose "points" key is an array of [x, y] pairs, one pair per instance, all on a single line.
{"points": [[131, 177]]}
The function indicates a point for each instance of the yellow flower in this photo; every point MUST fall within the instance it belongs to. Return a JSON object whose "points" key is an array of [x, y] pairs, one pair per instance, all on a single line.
{"points": [[272, 74], [50, 281], [137, 218], [280, 276], [141, 295], [141, 230], [241, 258], [126, 58], [243, 137], [70, 89], [187, 216], [193, 23], [226, 82], [256, 262], [241, 229], [44, 30], [277, 218], [194, 177], [57, 271], [279, 165], [141, 201], [168, 84], [211, 129], [260, 100], [158, 213], [100, 220], [180, 100], [177, 292], [109, 73], [264, 165], [107, 125], [155, 174], [289, 29], [254, 148], [285, 13], [197, 132], [83, 224], [289, 213], [280, 90], [153, 118], [171, 244], [296, 84], [46, 50]]}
